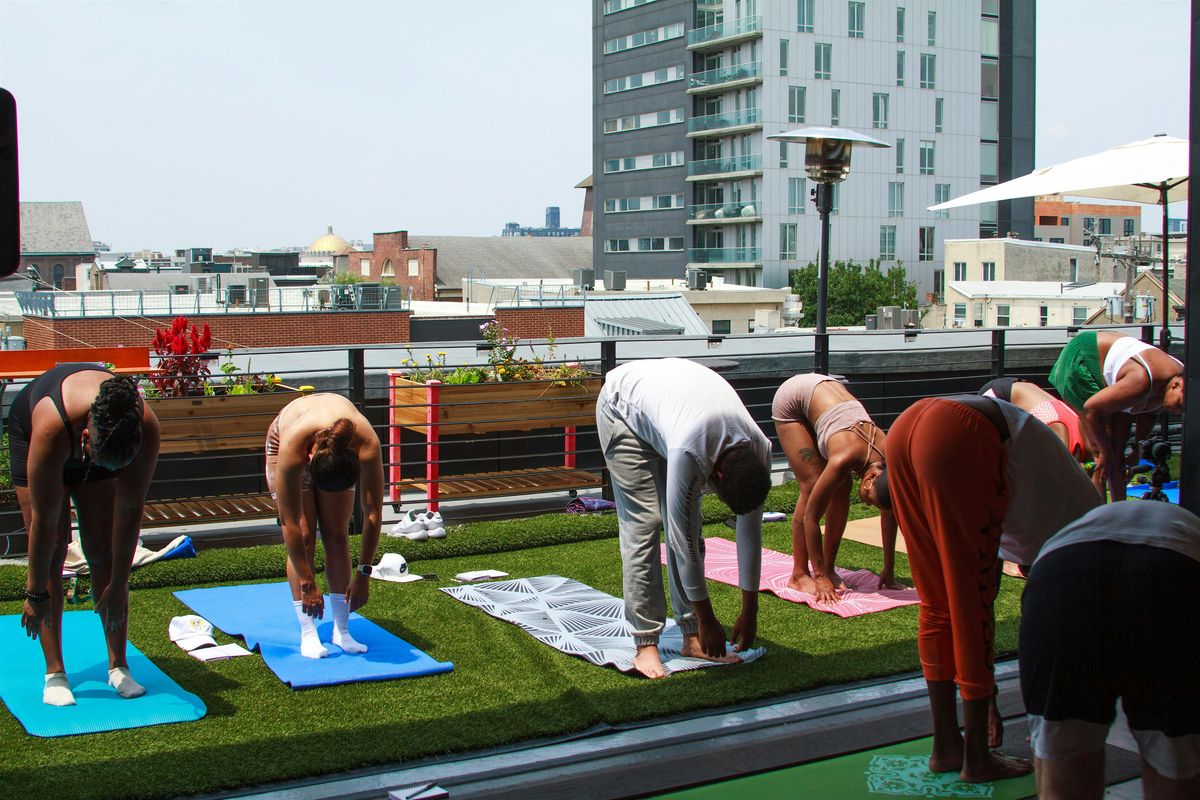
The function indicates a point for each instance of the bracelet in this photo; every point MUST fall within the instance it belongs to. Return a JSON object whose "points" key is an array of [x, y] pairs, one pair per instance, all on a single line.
{"points": [[36, 597]]}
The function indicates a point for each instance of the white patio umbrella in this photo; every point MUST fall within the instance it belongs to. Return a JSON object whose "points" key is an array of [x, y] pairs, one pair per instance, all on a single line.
{"points": [[1153, 170]]}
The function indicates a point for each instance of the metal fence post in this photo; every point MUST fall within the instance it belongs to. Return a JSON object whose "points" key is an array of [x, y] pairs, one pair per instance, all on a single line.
{"points": [[608, 362], [358, 396], [821, 353], [998, 353]]}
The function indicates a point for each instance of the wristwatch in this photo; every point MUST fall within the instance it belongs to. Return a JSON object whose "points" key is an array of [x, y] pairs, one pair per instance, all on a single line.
{"points": [[365, 569]]}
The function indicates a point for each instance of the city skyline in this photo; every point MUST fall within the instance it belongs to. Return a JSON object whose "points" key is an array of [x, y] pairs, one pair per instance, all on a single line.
{"points": [[259, 124]]}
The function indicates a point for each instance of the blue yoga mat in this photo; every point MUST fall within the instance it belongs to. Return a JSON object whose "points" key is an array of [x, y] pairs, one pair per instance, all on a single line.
{"points": [[97, 707], [1170, 489], [263, 614]]}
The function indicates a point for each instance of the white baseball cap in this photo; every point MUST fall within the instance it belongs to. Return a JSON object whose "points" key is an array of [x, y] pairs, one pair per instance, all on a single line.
{"points": [[191, 632]]}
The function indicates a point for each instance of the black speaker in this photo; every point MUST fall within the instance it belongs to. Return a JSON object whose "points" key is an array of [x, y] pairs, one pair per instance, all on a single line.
{"points": [[10, 207]]}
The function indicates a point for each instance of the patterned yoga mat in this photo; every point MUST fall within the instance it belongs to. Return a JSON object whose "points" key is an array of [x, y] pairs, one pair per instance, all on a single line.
{"points": [[861, 595], [575, 618]]}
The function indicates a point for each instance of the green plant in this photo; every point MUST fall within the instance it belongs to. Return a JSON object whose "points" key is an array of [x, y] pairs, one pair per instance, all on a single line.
{"points": [[345, 278], [507, 366]]}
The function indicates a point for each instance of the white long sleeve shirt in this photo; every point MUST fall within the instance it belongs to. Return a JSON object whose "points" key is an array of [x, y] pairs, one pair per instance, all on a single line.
{"points": [[690, 415]]}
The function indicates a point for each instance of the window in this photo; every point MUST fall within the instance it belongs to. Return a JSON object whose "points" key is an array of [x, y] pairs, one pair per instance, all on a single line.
{"points": [[1079, 315], [1043, 315], [989, 162], [796, 103], [637, 81], [887, 242], [858, 10], [613, 6], [644, 244], [721, 326], [939, 108], [1128, 227], [899, 156], [899, 67], [650, 119], [1105, 226], [783, 154], [1064, 221], [941, 194], [928, 71], [835, 107], [797, 194], [1074, 263], [649, 161], [989, 120], [989, 270], [783, 56], [804, 16], [927, 156], [414, 268], [1002, 316], [895, 199], [960, 315], [939, 285], [823, 58], [900, 23], [989, 44], [879, 110], [989, 79], [787, 241], [387, 267], [1089, 230], [960, 270], [932, 24], [620, 205], [1057, 240], [925, 244], [643, 38], [364, 267]]}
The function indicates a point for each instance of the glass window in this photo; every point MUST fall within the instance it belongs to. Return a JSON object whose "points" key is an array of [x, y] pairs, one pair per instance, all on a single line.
{"points": [[879, 110], [899, 156], [787, 241], [960, 315], [991, 8], [927, 156], [1002, 316], [989, 270], [941, 194], [1105, 226], [1074, 264], [1079, 315], [960, 270], [899, 23], [796, 195], [796, 103], [887, 242], [835, 107], [783, 56], [928, 71], [932, 18], [939, 109], [899, 67], [939, 284], [414, 268], [721, 326], [989, 79], [989, 120], [925, 244], [858, 11], [1089, 231], [989, 45], [783, 154], [364, 266], [895, 199], [989, 162], [823, 55], [1128, 226], [1043, 315], [804, 16]]}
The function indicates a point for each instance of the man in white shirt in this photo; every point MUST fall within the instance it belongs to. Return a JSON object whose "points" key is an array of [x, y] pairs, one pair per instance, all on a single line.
{"points": [[670, 429]]}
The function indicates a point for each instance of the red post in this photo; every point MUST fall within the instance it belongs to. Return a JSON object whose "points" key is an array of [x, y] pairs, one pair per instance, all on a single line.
{"points": [[569, 447], [432, 468], [394, 466]]}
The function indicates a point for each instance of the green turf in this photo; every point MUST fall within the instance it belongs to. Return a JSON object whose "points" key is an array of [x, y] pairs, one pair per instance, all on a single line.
{"points": [[506, 687]]}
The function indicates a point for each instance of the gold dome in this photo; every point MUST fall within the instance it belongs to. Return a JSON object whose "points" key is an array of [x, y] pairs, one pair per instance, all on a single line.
{"points": [[331, 243]]}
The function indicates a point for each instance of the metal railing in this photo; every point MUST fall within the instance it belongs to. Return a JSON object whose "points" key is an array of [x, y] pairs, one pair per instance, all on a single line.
{"points": [[724, 30], [717, 166], [230, 300], [719, 211], [725, 255], [722, 75], [726, 119]]}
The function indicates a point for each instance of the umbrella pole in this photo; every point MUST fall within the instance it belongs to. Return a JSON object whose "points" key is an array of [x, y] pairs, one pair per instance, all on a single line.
{"points": [[1164, 339]]}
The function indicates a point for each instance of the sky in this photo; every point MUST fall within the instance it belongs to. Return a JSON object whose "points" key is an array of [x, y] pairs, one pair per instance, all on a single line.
{"points": [[257, 123]]}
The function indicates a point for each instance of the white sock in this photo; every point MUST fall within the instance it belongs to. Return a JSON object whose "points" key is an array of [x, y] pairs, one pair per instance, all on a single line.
{"points": [[120, 679], [310, 643], [58, 690], [341, 626]]}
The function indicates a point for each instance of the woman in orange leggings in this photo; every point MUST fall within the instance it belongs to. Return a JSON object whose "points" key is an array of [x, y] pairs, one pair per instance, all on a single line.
{"points": [[970, 478]]}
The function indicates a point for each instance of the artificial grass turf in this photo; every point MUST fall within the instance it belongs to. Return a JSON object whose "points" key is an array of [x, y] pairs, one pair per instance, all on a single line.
{"points": [[506, 686]]}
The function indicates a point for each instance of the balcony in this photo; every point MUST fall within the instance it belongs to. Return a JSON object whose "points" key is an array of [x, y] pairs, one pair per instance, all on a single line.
{"points": [[723, 213], [725, 255], [723, 34], [727, 122], [725, 78], [730, 167]]}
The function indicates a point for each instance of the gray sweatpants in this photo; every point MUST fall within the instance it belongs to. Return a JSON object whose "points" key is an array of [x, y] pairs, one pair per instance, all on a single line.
{"points": [[639, 475]]}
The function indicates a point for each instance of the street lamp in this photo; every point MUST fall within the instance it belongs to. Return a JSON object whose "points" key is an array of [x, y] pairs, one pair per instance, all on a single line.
{"points": [[827, 161]]}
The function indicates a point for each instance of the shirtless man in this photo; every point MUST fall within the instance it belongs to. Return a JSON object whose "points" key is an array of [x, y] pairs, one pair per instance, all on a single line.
{"points": [[828, 437], [318, 448], [1111, 379], [78, 434]]}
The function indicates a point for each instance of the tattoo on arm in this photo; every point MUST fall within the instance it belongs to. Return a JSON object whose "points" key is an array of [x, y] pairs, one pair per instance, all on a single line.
{"points": [[806, 454]]}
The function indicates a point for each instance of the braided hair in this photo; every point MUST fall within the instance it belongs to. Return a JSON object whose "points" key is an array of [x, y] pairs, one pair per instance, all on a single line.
{"points": [[115, 422]]}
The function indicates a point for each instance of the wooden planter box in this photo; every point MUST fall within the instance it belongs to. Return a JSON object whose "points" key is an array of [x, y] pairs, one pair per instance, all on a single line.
{"points": [[435, 409], [220, 422]]}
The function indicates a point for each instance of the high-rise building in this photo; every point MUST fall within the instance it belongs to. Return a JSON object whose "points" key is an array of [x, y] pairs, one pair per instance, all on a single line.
{"points": [[686, 93]]}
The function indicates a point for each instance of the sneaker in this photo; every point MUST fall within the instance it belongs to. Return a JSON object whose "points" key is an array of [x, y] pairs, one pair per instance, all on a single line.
{"points": [[432, 520], [410, 526], [436, 533]]}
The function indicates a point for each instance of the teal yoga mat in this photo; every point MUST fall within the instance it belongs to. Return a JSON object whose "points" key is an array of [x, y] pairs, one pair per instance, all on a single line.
{"points": [[895, 772], [97, 707]]}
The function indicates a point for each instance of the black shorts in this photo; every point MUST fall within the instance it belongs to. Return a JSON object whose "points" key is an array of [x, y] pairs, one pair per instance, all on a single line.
{"points": [[1102, 620]]}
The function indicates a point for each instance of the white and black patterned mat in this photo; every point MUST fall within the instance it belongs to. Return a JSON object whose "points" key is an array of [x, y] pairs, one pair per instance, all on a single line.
{"points": [[575, 618]]}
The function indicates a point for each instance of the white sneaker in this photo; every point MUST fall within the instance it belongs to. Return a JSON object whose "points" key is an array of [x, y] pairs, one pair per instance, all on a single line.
{"points": [[434, 525], [436, 533], [410, 526]]}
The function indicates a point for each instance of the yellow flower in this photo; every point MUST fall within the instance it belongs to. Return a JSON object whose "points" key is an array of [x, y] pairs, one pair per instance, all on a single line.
{"points": [[500, 370]]}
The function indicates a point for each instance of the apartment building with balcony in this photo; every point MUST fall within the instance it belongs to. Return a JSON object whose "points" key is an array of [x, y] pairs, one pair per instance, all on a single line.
{"points": [[686, 93]]}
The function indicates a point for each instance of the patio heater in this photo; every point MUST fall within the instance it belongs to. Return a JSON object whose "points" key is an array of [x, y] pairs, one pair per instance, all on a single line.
{"points": [[827, 161]]}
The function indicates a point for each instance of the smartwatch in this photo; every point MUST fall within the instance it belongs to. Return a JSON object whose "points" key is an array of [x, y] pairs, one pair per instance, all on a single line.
{"points": [[365, 569]]}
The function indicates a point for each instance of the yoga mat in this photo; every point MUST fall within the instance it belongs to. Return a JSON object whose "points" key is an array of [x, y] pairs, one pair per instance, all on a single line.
{"points": [[1170, 489], [97, 707], [578, 620], [860, 597], [263, 614], [895, 771]]}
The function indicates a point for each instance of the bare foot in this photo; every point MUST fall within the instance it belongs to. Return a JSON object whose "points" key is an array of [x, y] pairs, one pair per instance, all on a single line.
{"points": [[838, 583], [803, 583], [648, 662], [887, 581], [997, 766], [691, 649], [949, 759]]}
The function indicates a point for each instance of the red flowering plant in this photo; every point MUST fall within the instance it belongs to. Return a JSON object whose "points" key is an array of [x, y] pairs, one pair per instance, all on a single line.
{"points": [[182, 356]]}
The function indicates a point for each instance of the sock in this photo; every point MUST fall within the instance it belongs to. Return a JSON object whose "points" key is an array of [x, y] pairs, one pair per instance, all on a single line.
{"points": [[341, 626], [58, 690], [310, 643], [120, 679]]}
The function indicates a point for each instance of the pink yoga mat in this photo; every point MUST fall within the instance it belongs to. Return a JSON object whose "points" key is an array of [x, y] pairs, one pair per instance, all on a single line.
{"points": [[860, 596]]}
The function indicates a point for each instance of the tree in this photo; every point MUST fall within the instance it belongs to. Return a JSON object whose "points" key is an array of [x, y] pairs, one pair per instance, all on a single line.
{"points": [[853, 292]]}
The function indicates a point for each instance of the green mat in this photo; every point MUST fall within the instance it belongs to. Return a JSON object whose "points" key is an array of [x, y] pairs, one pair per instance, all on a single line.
{"points": [[894, 771]]}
